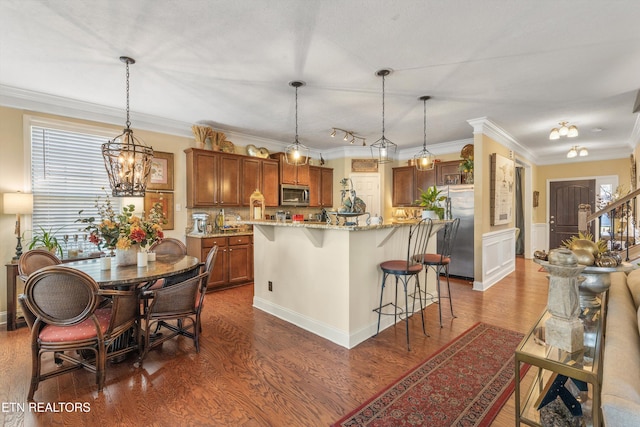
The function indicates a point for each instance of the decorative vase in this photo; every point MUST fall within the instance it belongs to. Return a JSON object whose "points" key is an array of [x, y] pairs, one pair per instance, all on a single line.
{"points": [[151, 256], [126, 256], [429, 214], [142, 259], [105, 262]]}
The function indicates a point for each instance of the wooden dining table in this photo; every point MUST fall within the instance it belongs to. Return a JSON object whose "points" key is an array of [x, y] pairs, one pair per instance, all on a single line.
{"points": [[164, 267]]}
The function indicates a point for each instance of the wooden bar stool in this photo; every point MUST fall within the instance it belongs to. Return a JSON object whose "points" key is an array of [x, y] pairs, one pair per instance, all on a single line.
{"points": [[404, 270]]}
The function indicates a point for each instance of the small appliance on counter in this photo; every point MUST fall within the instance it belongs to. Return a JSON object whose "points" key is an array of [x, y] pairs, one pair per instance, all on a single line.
{"points": [[200, 223]]}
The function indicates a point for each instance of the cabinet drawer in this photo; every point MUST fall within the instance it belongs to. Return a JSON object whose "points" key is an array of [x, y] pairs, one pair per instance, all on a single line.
{"points": [[210, 242], [239, 240]]}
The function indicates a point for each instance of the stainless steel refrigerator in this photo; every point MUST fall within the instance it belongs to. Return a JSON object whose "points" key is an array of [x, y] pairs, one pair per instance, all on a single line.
{"points": [[461, 197]]}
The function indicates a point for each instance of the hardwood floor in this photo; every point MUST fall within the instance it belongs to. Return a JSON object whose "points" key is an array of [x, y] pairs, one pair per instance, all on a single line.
{"points": [[256, 370]]}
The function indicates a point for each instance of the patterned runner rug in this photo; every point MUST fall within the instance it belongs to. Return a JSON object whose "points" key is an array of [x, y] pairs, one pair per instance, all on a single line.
{"points": [[464, 383]]}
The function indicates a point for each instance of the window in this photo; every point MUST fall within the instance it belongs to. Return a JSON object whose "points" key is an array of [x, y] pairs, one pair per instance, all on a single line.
{"points": [[67, 175]]}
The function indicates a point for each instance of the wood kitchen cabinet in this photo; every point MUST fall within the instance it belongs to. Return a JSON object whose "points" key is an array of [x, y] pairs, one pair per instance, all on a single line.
{"points": [[261, 174], [408, 183], [448, 173], [320, 187], [213, 178], [234, 262], [291, 174]]}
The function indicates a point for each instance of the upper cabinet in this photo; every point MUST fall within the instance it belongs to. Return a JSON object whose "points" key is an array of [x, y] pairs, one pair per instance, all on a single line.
{"points": [[213, 178], [320, 187], [291, 174], [408, 182], [448, 173], [260, 174]]}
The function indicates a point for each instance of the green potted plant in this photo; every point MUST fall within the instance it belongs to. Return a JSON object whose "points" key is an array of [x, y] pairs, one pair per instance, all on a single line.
{"points": [[430, 200], [46, 239], [466, 167]]}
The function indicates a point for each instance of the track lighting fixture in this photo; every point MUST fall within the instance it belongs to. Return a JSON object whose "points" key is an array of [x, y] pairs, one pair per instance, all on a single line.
{"points": [[348, 136]]}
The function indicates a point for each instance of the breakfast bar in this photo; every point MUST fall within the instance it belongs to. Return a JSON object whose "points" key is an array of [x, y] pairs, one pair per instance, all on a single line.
{"points": [[325, 278]]}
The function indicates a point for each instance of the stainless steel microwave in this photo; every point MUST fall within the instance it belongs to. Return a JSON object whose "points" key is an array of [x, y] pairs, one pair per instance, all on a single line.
{"points": [[294, 195]]}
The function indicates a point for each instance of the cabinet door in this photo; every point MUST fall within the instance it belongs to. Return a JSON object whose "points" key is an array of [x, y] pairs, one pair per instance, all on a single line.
{"points": [[229, 180], [240, 256], [403, 186], [424, 180], [302, 175], [201, 182], [448, 173], [315, 187], [220, 274], [326, 189], [251, 178], [288, 173], [270, 182]]}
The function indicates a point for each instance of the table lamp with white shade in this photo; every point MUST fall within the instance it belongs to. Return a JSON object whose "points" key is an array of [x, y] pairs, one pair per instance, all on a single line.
{"points": [[20, 204]]}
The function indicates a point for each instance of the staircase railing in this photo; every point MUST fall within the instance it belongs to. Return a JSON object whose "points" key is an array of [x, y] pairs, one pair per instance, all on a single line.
{"points": [[622, 217]]}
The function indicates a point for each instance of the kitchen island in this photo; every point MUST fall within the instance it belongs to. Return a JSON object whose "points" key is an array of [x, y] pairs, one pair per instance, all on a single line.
{"points": [[325, 278]]}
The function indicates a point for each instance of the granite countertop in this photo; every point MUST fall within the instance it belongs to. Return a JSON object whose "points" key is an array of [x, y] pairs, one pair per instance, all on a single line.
{"points": [[321, 225], [223, 234]]}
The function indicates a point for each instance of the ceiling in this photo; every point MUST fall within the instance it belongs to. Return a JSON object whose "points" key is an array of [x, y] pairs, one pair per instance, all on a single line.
{"points": [[524, 65]]}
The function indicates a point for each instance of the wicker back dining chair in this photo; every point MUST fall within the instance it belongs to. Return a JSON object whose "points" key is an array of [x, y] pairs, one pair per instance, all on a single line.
{"points": [[175, 309], [404, 270], [169, 246], [207, 268], [64, 302], [35, 259]]}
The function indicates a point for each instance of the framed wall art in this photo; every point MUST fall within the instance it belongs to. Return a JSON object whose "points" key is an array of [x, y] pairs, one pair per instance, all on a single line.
{"points": [[166, 201], [502, 189], [364, 165], [161, 176]]}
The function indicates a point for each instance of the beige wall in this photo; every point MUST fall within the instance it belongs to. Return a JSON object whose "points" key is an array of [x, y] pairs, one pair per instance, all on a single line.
{"points": [[586, 170], [14, 173]]}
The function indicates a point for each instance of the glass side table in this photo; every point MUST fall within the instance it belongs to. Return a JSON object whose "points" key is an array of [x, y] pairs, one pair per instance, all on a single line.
{"points": [[584, 365]]}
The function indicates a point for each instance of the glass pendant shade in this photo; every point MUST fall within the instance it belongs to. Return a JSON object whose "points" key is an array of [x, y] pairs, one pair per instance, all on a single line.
{"points": [[127, 158], [382, 148], [555, 134], [296, 154], [583, 152], [573, 152], [572, 132], [424, 159]]}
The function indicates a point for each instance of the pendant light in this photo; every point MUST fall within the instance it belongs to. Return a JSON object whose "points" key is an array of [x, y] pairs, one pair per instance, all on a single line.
{"points": [[127, 158], [424, 159], [296, 154], [382, 146]]}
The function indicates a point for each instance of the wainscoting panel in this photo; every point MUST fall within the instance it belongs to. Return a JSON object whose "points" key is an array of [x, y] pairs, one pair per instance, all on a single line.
{"points": [[540, 236], [498, 257]]}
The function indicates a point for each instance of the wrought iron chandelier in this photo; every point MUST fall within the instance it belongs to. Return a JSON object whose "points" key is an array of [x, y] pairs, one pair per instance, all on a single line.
{"points": [[424, 159], [383, 145], [296, 154], [127, 158]]}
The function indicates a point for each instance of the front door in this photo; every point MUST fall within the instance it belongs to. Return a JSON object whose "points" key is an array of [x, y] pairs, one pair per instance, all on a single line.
{"points": [[564, 198]]}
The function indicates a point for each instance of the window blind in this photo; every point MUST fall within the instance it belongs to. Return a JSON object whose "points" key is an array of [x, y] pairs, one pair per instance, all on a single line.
{"points": [[67, 175]]}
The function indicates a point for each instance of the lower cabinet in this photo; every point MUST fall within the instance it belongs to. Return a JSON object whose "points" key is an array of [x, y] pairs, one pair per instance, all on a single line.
{"points": [[234, 263]]}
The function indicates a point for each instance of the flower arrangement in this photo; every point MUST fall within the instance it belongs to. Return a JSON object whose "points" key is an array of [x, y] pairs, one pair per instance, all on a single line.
{"points": [[123, 230]]}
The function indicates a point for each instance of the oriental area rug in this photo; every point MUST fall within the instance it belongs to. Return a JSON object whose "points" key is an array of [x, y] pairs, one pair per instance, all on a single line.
{"points": [[464, 383]]}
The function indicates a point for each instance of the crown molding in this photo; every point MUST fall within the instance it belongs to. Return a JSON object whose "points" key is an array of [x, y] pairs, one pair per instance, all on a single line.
{"points": [[486, 127]]}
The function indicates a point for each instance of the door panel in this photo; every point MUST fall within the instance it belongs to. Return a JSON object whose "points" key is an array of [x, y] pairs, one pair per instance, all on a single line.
{"points": [[564, 198]]}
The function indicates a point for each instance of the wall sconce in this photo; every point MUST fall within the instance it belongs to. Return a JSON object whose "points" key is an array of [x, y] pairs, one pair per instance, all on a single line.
{"points": [[563, 130], [576, 151], [348, 136]]}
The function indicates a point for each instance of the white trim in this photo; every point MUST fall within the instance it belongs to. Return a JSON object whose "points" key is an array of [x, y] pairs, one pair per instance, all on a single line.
{"points": [[498, 257]]}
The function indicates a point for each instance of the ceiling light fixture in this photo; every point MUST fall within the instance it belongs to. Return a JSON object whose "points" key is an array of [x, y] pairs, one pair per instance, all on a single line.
{"points": [[576, 151], [424, 158], [563, 130], [348, 134], [296, 153], [127, 158], [383, 145]]}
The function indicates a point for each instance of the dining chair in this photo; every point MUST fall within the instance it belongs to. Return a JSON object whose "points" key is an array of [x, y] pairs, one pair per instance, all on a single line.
{"points": [[169, 246], [403, 270], [207, 268], [64, 302], [440, 261], [121, 335], [175, 308], [166, 246], [35, 259]]}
